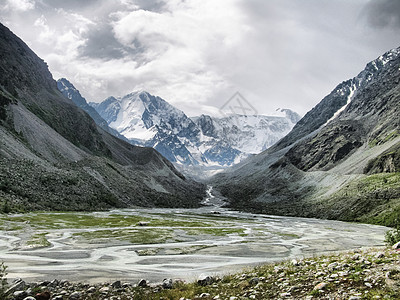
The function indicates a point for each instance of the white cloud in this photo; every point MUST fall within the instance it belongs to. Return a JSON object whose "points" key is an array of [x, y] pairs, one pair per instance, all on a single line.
{"points": [[19, 5], [197, 53]]}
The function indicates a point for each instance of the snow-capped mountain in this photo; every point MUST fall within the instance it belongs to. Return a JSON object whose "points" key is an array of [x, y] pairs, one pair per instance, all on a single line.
{"points": [[206, 141]]}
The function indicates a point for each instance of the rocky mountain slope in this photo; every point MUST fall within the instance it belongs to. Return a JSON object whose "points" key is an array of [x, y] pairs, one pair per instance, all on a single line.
{"points": [[54, 156], [69, 91], [340, 161], [202, 141]]}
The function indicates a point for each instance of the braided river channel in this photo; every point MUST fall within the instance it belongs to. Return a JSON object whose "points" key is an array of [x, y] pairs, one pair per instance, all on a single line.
{"points": [[154, 244]]}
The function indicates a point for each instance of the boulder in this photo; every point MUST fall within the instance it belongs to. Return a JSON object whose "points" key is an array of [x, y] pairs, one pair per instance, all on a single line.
{"points": [[142, 283], [20, 295], [167, 283], [204, 280], [116, 284]]}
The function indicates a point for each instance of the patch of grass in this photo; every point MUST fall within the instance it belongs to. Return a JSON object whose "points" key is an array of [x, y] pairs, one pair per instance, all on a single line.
{"points": [[215, 231], [39, 241], [87, 220], [139, 236]]}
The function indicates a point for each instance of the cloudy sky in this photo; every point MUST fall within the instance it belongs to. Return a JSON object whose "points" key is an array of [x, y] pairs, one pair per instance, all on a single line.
{"points": [[197, 53]]}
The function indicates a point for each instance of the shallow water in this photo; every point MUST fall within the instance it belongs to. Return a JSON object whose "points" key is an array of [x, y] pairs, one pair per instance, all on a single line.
{"points": [[209, 240]]}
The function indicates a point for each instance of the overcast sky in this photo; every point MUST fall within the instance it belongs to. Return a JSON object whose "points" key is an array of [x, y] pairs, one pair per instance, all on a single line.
{"points": [[197, 53]]}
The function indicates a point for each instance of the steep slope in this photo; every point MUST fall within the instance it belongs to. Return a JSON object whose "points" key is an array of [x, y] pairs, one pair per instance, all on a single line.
{"points": [[195, 142], [69, 91], [324, 166], [53, 156]]}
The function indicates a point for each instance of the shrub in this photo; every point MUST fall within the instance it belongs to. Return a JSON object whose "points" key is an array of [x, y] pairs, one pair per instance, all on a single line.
{"points": [[3, 280]]}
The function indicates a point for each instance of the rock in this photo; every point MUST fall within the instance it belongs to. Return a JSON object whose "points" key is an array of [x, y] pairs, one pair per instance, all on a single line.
{"points": [[17, 285], [116, 284], [295, 262], [64, 282], [167, 283], [204, 280], [90, 290], [104, 290], [286, 295], [54, 283], [333, 266], [254, 281], [396, 246], [143, 223], [354, 298], [142, 283], [75, 296], [43, 295], [58, 297], [233, 298], [30, 298], [217, 297], [19, 295], [320, 286], [44, 283], [204, 295], [380, 255]]}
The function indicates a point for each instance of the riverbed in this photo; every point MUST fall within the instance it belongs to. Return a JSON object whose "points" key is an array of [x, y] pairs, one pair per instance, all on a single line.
{"points": [[154, 244]]}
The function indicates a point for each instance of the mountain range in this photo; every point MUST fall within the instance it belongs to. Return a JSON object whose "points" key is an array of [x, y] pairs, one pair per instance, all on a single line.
{"points": [[53, 156], [340, 161], [202, 141]]}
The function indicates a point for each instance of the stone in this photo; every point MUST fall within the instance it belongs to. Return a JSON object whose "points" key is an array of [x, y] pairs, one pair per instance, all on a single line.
{"points": [[254, 281], [75, 296], [204, 295], [58, 297], [17, 285], [142, 283], [116, 284], [20, 295], [29, 298], [204, 280], [320, 286], [104, 290], [354, 298], [90, 290], [380, 255], [44, 283], [143, 223], [54, 283], [295, 262], [284, 295], [167, 283]]}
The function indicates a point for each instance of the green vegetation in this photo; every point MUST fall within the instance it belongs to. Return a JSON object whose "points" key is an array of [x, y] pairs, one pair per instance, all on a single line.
{"points": [[140, 236], [89, 220], [38, 241], [383, 138], [216, 231], [373, 199], [393, 236], [3, 280]]}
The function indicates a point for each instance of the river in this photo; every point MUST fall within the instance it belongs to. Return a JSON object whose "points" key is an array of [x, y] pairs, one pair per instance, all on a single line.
{"points": [[154, 244]]}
